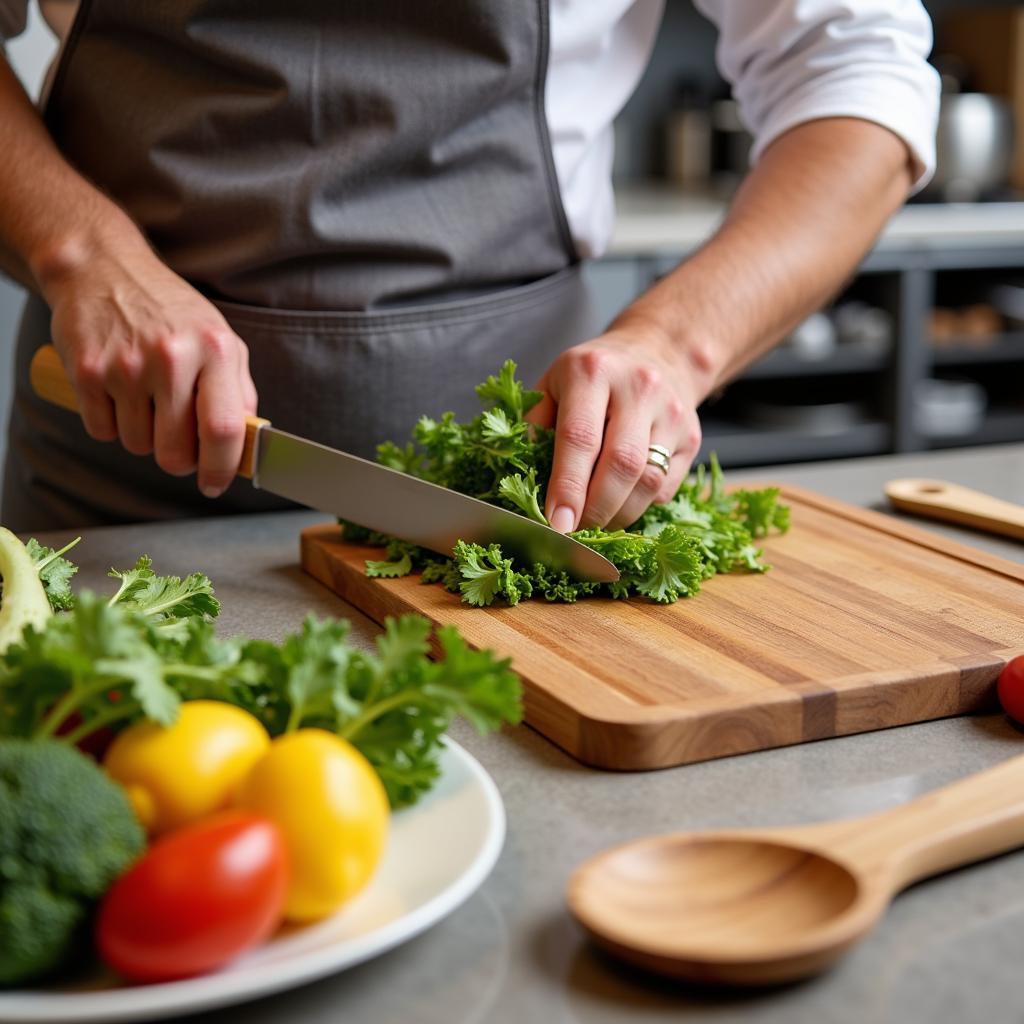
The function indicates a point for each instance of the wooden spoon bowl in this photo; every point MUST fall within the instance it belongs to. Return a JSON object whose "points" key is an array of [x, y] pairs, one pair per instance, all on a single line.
{"points": [[721, 908], [764, 907]]}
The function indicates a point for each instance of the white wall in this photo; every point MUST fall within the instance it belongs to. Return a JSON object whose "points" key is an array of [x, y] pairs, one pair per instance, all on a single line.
{"points": [[30, 55]]}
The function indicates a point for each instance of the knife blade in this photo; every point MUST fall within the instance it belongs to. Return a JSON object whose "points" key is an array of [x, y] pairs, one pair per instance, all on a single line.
{"points": [[372, 495], [405, 506]]}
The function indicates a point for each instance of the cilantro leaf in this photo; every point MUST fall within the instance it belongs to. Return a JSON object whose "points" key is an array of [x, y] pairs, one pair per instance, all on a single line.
{"points": [[164, 597], [55, 572], [316, 661]]}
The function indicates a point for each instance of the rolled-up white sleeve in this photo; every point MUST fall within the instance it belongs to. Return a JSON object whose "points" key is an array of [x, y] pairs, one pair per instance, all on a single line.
{"points": [[13, 14], [791, 61]]}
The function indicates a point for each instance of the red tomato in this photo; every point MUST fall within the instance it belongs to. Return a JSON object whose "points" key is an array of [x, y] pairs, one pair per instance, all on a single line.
{"points": [[198, 897], [1011, 689]]}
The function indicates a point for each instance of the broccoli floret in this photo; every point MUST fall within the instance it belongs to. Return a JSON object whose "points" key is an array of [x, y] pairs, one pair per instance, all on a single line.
{"points": [[66, 832]]}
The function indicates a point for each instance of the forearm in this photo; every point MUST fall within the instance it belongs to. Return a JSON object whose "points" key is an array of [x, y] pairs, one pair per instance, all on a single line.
{"points": [[52, 221], [798, 226]]}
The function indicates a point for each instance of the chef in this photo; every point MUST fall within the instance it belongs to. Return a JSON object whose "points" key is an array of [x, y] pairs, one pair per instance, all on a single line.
{"points": [[347, 213]]}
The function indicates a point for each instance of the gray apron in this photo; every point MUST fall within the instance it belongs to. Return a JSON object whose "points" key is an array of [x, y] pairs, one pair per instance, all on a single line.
{"points": [[364, 189]]}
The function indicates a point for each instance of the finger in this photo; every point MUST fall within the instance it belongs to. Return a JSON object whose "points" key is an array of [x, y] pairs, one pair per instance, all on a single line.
{"points": [[95, 404], [622, 462], [654, 485], [250, 399], [175, 368], [543, 413], [686, 427], [135, 422], [220, 417], [133, 401], [579, 430]]}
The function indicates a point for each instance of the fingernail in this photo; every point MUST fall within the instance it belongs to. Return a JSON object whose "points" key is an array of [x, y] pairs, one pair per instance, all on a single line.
{"points": [[562, 519], [209, 491]]}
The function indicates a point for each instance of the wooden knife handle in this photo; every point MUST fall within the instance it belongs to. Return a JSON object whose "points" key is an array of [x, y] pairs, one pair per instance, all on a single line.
{"points": [[937, 499], [51, 382]]}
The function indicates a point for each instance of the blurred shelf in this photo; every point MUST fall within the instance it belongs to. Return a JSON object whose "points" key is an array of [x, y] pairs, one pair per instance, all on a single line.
{"points": [[784, 364], [1001, 426], [655, 218], [1009, 348], [737, 445]]}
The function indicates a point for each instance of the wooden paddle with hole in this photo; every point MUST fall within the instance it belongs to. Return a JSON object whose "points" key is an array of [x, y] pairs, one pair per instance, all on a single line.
{"points": [[767, 906], [937, 499]]}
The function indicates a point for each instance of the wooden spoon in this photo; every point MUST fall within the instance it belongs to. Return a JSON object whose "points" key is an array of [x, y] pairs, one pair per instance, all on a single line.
{"points": [[755, 907], [937, 499]]}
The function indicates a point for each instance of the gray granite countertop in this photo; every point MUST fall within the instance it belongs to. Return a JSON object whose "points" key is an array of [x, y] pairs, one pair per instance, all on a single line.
{"points": [[950, 950]]}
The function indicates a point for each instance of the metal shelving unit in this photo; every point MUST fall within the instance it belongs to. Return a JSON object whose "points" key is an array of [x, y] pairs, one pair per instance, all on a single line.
{"points": [[747, 446], [845, 360], [1006, 348], [902, 277]]}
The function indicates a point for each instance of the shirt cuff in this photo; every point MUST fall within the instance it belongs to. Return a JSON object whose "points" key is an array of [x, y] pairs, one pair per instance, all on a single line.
{"points": [[907, 107]]}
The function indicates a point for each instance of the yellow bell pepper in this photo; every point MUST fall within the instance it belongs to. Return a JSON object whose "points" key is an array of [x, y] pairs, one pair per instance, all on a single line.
{"points": [[332, 809], [178, 773]]}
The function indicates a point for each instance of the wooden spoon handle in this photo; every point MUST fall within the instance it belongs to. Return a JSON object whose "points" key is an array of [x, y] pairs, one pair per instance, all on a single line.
{"points": [[978, 817], [51, 383], [940, 500]]}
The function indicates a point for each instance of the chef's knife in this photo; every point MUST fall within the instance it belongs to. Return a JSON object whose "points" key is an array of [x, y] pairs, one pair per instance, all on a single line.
{"points": [[371, 495]]}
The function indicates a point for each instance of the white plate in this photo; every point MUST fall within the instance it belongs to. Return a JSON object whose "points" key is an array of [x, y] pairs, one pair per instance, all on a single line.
{"points": [[438, 854]]}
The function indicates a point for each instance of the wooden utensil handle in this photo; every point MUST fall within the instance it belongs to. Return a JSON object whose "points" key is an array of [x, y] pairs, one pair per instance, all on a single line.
{"points": [[940, 500], [51, 383], [978, 817]]}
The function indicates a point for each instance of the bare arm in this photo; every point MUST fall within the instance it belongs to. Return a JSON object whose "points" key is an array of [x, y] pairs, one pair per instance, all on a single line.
{"points": [[154, 362], [800, 223], [50, 215]]}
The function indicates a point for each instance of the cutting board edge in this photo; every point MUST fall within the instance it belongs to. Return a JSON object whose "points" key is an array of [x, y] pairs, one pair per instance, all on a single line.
{"points": [[649, 738], [731, 724], [912, 532]]}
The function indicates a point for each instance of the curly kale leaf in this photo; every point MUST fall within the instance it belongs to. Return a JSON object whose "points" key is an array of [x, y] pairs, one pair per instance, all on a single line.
{"points": [[499, 457]]}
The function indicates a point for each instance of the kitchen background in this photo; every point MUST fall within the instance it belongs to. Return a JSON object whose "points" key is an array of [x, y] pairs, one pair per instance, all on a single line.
{"points": [[924, 348]]}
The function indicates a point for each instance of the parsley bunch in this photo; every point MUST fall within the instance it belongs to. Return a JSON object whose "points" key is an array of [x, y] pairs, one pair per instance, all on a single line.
{"points": [[500, 458], [102, 662]]}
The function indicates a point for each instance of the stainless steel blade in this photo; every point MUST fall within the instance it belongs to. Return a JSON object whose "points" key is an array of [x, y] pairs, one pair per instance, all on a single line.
{"points": [[417, 511]]}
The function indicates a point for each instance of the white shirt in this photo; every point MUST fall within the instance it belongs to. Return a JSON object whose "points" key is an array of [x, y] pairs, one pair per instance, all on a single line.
{"points": [[788, 61]]}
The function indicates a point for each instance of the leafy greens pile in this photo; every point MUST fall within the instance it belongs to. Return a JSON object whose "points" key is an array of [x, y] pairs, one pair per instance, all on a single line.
{"points": [[103, 662], [500, 458]]}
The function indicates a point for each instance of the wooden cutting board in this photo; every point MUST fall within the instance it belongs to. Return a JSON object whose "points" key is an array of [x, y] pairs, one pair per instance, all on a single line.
{"points": [[863, 622]]}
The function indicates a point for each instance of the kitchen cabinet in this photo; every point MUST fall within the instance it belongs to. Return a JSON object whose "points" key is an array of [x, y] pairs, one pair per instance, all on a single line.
{"points": [[928, 251]]}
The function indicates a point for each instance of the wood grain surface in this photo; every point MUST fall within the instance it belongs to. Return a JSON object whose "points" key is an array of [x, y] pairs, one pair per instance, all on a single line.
{"points": [[863, 622]]}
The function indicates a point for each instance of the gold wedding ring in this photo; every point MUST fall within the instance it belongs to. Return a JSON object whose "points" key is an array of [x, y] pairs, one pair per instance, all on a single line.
{"points": [[658, 455]]}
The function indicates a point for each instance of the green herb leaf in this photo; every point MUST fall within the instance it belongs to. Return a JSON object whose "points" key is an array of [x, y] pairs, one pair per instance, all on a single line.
{"points": [[507, 393], [55, 572], [524, 494], [164, 597], [390, 569]]}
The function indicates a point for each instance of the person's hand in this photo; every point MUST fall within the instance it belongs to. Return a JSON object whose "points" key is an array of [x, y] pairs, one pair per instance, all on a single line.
{"points": [[609, 399], [155, 364]]}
